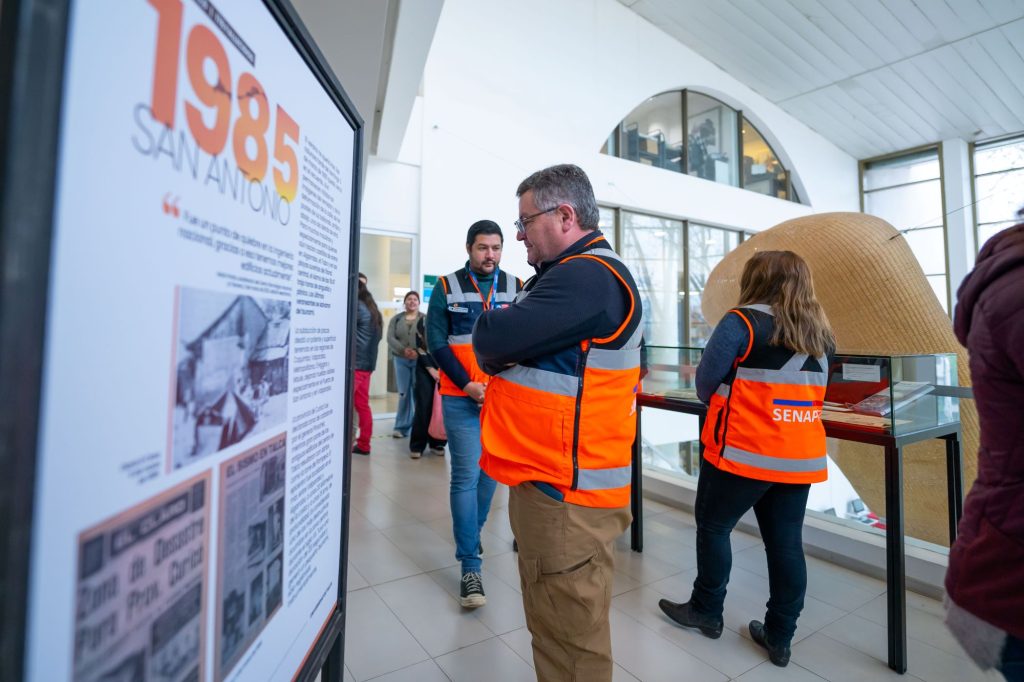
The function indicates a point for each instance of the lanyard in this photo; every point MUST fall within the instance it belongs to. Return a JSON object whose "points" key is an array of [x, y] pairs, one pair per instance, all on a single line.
{"points": [[476, 285]]}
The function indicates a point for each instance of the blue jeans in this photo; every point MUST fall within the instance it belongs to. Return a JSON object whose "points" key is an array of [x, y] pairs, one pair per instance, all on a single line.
{"points": [[1012, 665], [471, 488], [722, 498], [405, 376]]}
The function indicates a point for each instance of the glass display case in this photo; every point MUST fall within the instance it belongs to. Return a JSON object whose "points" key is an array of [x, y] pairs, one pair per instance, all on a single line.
{"points": [[671, 371], [892, 394]]}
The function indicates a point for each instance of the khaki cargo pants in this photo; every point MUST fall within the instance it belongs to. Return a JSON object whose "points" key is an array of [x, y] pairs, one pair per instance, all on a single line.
{"points": [[565, 568]]}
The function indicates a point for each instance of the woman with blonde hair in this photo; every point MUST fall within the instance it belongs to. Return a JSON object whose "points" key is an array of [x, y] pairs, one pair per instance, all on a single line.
{"points": [[763, 375]]}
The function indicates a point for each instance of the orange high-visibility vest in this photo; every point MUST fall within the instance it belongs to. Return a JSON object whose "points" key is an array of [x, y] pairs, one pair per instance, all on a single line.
{"points": [[569, 419], [465, 304], [764, 421]]}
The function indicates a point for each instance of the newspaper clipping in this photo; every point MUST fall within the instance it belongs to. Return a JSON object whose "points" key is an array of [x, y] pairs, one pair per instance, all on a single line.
{"points": [[139, 612], [231, 377], [250, 553]]}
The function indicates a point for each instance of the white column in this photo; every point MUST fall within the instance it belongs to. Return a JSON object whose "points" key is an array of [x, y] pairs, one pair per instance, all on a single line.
{"points": [[958, 195]]}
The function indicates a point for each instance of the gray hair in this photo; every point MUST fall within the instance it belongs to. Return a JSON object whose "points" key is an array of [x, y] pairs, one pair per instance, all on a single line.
{"points": [[564, 184]]}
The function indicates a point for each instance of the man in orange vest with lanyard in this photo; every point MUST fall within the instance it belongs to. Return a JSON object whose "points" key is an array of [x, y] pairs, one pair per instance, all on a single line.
{"points": [[560, 419], [457, 301]]}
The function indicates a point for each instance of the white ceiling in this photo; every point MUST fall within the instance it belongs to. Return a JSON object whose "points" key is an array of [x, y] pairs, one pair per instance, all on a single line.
{"points": [[873, 76]]}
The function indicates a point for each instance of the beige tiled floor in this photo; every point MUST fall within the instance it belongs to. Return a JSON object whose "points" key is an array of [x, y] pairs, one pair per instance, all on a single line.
{"points": [[404, 622]]}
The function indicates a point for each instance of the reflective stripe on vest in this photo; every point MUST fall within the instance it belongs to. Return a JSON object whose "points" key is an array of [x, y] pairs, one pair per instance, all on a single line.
{"points": [[767, 425], [535, 420], [462, 344], [774, 463]]}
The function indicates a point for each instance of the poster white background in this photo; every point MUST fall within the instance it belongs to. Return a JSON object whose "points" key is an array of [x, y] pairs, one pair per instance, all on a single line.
{"points": [[116, 264]]}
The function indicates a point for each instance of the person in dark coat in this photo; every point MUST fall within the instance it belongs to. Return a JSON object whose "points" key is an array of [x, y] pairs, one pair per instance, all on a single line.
{"points": [[985, 580], [369, 329], [423, 394]]}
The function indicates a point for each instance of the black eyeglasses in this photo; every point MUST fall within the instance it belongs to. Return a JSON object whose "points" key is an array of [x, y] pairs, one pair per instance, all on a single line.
{"points": [[521, 223]]}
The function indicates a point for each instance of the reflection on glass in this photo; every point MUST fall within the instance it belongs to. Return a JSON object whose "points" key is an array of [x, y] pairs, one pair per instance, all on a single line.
{"points": [[652, 133], [906, 191], [707, 247], [653, 249], [985, 232], [900, 170], [762, 170], [712, 139], [996, 157], [606, 223]]}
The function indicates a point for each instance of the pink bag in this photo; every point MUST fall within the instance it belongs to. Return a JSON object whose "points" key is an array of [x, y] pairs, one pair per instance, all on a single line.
{"points": [[436, 428]]}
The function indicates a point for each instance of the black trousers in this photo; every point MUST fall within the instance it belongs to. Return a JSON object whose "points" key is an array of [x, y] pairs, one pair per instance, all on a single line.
{"points": [[722, 498], [423, 397]]}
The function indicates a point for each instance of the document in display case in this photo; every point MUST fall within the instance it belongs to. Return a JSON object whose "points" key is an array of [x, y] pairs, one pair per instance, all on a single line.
{"points": [[894, 394]]}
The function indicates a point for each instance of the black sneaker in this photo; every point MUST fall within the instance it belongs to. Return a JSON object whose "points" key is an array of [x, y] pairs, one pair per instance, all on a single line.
{"points": [[779, 655], [437, 450], [359, 451], [685, 615], [472, 594]]}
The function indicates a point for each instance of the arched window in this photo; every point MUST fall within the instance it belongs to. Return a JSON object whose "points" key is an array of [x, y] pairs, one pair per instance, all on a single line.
{"points": [[690, 132]]}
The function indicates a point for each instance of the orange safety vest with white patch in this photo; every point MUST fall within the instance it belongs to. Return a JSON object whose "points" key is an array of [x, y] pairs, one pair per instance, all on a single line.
{"points": [[569, 418], [764, 421], [465, 304]]}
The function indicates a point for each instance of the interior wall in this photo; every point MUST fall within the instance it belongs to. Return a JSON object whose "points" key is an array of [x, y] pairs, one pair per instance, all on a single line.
{"points": [[506, 94]]}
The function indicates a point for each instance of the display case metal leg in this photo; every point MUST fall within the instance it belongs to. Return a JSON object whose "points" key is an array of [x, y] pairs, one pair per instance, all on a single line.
{"points": [[954, 483], [896, 587], [636, 529]]}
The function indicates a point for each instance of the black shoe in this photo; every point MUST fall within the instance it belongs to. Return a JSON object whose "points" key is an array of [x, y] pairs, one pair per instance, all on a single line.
{"points": [[437, 450], [779, 655], [685, 615], [471, 595], [359, 451], [515, 546]]}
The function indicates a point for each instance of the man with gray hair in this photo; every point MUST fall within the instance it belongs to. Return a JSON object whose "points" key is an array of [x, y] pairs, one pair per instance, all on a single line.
{"points": [[560, 419]]}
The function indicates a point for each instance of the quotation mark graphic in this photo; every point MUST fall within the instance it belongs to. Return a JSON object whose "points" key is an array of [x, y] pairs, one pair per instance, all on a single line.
{"points": [[171, 207]]}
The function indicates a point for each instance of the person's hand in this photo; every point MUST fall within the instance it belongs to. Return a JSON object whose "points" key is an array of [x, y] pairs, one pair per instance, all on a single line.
{"points": [[475, 390], [434, 373], [409, 354]]}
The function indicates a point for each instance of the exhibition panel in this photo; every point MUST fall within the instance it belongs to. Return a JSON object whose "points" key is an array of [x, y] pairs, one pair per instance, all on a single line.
{"points": [[189, 481]]}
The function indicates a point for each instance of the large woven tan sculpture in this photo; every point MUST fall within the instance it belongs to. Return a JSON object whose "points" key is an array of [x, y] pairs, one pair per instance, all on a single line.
{"points": [[879, 302]]}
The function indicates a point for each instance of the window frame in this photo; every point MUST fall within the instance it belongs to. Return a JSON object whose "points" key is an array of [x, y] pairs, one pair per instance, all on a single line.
{"points": [[862, 167]]}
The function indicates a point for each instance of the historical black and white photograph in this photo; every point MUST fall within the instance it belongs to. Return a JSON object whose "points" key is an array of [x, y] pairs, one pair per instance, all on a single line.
{"points": [[123, 568], [275, 525], [256, 598], [274, 583], [250, 539], [231, 378], [232, 625], [257, 542], [272, 473]]}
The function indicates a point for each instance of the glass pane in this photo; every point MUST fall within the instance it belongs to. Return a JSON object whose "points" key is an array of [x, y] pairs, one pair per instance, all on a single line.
{"points": [[652, 134], [610, 145], [985, 232], [607, 223], [909, 168], [653, 250], [998, 157], [939, 286], [930, 249], [762, 171], [707, 247], [909, 206], [999, 196], [387, 263], [713, 139]]}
